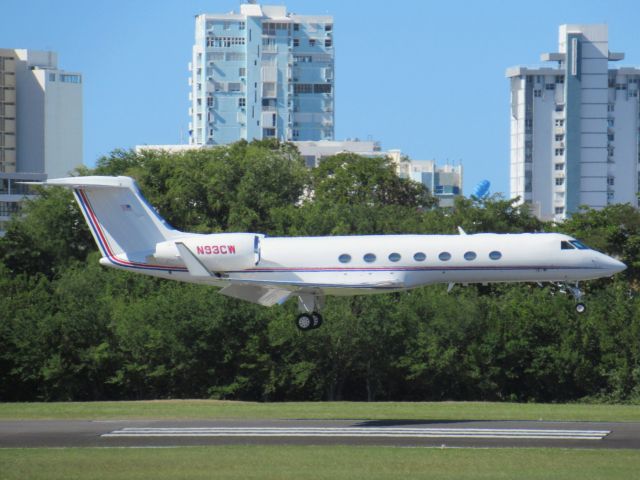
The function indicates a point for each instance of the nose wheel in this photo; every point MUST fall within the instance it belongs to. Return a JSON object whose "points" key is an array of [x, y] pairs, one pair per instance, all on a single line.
{"points": [[577, 294]]}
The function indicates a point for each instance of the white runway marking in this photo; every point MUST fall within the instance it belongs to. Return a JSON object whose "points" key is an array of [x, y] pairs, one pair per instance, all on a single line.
{"points": [[372, 432]]}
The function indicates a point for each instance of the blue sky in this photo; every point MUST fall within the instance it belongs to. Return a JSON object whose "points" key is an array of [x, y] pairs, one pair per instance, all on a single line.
{"points": [[423, 76]]}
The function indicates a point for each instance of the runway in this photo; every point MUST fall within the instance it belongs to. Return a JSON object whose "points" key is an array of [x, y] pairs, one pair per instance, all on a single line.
{"points": [[414, 433]]}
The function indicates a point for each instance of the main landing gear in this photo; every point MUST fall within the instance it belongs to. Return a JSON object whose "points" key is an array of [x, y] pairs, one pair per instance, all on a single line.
{"points": [[310, 305], [309, 321]]}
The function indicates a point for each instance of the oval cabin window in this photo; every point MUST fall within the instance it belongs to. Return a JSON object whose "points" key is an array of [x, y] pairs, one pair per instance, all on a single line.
{"points": [[344, 258]]}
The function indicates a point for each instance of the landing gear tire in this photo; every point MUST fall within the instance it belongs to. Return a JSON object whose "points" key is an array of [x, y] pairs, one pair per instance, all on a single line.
{"points": [[581, 307], [305, 322], [317, 319]]}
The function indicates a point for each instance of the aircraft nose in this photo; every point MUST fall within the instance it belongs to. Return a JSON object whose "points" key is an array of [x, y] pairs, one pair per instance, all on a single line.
{"points": [[612, 265]]}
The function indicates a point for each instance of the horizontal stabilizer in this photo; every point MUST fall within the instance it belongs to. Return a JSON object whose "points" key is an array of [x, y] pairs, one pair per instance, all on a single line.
{"points": [[195, 266], [264, 296]]}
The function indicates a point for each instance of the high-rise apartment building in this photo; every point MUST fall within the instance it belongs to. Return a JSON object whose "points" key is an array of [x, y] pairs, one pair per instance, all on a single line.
{"points": [[575, 127], [262, 73], [40, 123]]}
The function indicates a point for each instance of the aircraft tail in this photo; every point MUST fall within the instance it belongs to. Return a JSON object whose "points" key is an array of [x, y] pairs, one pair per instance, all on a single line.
{"points": [[124, 225]]}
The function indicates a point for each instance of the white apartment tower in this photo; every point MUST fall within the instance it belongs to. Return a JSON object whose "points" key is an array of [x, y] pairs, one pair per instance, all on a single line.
{"points": [[261, 73], [40, 123], [574, 127]]}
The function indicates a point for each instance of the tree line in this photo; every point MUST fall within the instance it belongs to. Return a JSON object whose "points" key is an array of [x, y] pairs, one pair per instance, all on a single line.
{"points": [[73, 330]]}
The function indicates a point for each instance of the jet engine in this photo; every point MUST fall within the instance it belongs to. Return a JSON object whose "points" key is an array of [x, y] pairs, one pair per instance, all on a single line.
{"points": [[217, 252]]}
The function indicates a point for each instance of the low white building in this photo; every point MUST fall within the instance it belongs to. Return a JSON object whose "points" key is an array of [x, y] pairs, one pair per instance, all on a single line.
{"points": [[444, 182]]}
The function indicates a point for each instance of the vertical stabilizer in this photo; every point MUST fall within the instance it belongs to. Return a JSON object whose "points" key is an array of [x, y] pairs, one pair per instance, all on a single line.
{"points": [[122, 222]]}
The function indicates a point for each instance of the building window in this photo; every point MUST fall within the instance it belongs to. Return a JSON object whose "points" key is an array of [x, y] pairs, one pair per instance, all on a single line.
{"points": [[559, 152], [611, 137], [559, 122], [445, 256], [470, 256], [296, 42], [369, 258], [394, 257], [559, 166], [550, 86], [328, 27], [559, 210], [495, 255], [559, 181], [312, 42], [67, 78], [611, 122], [537, 93], [299, 88], [242, 25], [611, 181], [559, 137], [559, 78], [610, 195], [419, 257], [296, 27], [242, 71], [344, 258], [242, 102], [52, 77], [322, 88], [327, 43]]}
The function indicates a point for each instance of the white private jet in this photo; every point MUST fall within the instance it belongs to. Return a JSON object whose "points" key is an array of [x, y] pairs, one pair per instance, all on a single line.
{"points": [[268, 271]]}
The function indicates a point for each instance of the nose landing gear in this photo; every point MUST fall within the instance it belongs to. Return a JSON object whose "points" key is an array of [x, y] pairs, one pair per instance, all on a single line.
{"points": [[577, 294]]}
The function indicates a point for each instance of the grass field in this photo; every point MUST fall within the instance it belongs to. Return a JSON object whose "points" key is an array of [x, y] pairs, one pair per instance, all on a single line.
{"points": [[212, 409], [310, 463]]}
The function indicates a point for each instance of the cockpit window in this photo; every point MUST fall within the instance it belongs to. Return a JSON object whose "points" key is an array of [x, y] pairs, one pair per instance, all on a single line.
{"points": [[564, 245], [579, 245]]}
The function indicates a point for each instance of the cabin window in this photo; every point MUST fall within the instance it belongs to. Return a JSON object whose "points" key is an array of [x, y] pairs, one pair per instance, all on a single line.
{"points": [[344, 258], [394, 257], [369, 258], [564, 245], [579, 245], [470, 256], [419, 257], [495, 255], [444, 256]]}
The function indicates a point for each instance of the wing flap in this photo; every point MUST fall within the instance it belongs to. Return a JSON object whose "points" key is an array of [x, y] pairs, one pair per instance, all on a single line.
{"points": [[264, 296]]}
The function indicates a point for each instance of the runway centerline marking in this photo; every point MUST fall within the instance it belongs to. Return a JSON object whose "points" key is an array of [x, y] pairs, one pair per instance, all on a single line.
{"points": [[372, 432]]}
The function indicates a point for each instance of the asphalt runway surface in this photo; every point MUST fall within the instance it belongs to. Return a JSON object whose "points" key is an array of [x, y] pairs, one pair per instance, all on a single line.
{"points": [[401, 433]]}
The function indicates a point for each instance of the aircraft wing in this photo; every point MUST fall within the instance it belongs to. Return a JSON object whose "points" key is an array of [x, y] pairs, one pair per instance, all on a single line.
{"points": [[262, 295]]}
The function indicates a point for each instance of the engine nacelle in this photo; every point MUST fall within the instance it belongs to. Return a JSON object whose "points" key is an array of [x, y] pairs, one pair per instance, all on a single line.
{"points": [[218, 252]]}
